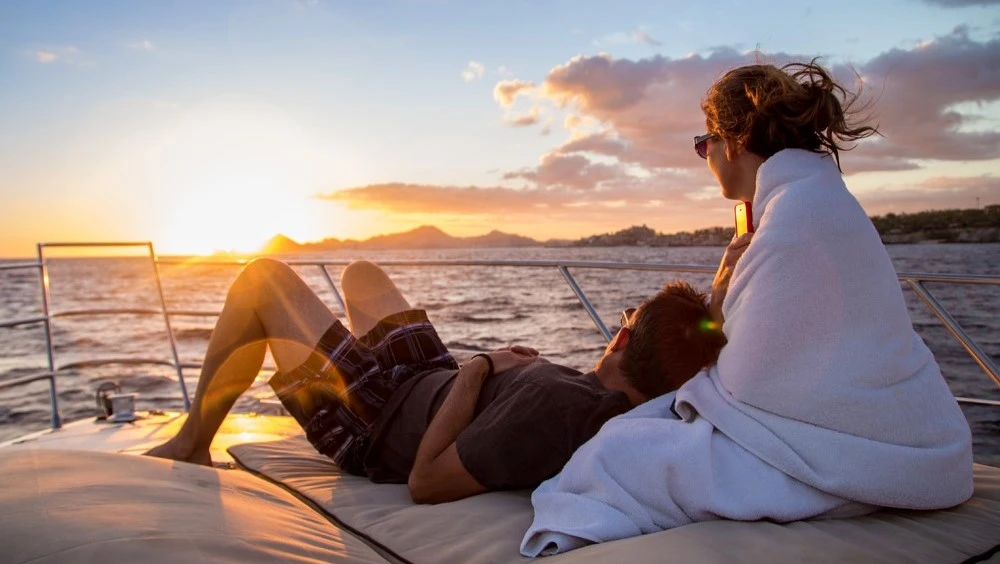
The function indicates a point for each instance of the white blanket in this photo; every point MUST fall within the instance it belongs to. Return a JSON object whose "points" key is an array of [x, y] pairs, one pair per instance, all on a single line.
{"points": [[825, 401]]}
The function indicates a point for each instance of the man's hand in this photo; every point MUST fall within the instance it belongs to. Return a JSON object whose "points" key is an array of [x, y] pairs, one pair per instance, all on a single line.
{"points": [[512, 357], [720, 286]]}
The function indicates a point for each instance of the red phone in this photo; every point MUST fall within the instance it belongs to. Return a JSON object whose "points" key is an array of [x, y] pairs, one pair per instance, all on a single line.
{"points": [[744, 218]]}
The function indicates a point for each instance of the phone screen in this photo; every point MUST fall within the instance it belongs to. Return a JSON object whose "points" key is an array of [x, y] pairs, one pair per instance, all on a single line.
{"points": [[744, 218]]}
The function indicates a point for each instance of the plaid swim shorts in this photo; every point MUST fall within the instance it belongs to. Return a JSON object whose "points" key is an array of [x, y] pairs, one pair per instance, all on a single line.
{"points": [[338, 393]]}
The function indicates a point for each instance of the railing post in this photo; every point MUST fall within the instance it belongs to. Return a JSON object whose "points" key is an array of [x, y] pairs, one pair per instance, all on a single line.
{"points": [[333, 287], [585, 303], [970, 346], [170, 331], [53, 395]]}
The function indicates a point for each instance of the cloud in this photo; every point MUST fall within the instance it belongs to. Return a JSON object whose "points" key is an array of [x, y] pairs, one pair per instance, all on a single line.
{"points": [[601, 143], [506, 91], [426, 199], [943, 192], [601, 82], [67, 55], [643, 37], [638, 37], [144, 45], [524, 120], [567, 171], [922, 86], [473, 71], [674, 210], [667, 201], [855, 161], [649, 107]]}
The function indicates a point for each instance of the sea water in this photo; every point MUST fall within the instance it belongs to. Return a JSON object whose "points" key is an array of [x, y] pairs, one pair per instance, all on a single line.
{"points": [[472, 308]]}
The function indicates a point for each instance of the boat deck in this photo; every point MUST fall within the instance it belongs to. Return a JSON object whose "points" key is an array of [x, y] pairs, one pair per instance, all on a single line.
{"points": [[154, 428]]}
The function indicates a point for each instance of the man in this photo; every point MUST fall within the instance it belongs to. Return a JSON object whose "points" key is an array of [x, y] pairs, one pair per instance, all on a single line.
{"points": [[394, 405]]}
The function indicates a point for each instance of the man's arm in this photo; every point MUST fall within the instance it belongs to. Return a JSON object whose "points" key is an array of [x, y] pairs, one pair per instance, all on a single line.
{"points": [[438, 474]]}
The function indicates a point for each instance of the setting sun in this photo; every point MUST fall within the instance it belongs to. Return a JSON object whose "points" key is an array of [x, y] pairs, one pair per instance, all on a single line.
{"points": [[239, 216], [233, 175]]}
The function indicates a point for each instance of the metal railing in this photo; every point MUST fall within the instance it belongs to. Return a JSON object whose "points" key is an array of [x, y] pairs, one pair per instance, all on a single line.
{"points": [[915, 281]]}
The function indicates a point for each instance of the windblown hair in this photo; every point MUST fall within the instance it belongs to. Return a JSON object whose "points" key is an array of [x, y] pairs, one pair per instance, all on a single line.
{"points": [[672, 338], [765, 109]]}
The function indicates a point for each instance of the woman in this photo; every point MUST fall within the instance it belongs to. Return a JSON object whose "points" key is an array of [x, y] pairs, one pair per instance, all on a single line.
{"points": [[825, 402]]}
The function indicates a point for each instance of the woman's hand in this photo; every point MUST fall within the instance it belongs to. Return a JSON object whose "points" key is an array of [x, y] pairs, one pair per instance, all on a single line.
{"points": [[512, 357], [720, 286]]}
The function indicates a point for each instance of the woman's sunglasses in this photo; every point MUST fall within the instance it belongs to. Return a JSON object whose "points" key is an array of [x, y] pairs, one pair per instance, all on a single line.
{"points": [[701, 144]]}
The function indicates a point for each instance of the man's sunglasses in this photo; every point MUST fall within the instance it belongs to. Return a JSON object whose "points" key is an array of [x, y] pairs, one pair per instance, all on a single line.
{"points": [[626, 320], [701, 144]]}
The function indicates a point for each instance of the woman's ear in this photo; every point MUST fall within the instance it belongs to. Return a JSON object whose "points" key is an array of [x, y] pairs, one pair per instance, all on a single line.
{"points": [[733, 150]]}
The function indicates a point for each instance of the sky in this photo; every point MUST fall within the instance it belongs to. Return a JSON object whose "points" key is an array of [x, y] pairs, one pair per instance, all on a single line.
{"points": [[205, 126]]}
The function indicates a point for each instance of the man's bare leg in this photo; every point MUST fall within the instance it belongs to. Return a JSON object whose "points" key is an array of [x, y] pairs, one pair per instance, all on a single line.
{"points": [[369, 296], [267, 305]]}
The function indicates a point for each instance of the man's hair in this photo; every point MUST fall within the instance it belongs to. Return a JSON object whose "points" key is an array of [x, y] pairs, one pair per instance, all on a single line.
{"points": [[672, 338]]}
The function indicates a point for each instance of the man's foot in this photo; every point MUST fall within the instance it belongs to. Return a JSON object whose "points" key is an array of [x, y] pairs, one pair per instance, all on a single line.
{"points": [[173, 450]]}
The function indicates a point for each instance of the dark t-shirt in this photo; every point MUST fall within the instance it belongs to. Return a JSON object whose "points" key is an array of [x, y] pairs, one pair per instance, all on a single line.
{"points": [[528, 422]]}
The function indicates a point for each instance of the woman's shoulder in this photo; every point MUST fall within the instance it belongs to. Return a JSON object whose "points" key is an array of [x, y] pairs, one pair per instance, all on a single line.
{"points": [[820, 201]]}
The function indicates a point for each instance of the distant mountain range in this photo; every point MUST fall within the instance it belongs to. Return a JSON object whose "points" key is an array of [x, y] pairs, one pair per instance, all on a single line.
{"points": [[980, 225], [424, 237]]}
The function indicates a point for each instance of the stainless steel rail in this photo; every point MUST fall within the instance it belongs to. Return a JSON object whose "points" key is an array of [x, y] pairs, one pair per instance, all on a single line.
{"points": [[19, 265], [53, 395], [963, 338], [914, 280], [24, 380]]}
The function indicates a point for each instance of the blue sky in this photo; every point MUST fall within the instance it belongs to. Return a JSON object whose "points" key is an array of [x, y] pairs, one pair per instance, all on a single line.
{"points": [[212, 125]]}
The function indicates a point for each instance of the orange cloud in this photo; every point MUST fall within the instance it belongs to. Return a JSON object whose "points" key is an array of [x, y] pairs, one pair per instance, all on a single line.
{"points": [[67, 55], [506, 91], [668, 201], [620, 203], [922, 86], [648, 109], [942, 192], [568, 171], [524, 120]]}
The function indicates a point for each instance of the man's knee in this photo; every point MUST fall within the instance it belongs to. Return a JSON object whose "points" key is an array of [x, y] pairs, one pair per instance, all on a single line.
{"points": [[265, 271], [360, 275]]}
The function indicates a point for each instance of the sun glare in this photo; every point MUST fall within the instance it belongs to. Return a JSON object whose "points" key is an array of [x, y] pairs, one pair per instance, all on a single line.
{"points": [[237, 214], [232, 176]]}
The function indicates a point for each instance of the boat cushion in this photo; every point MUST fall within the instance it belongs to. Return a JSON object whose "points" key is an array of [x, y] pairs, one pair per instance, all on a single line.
{"points": [[75, 506], [489, 527]]}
